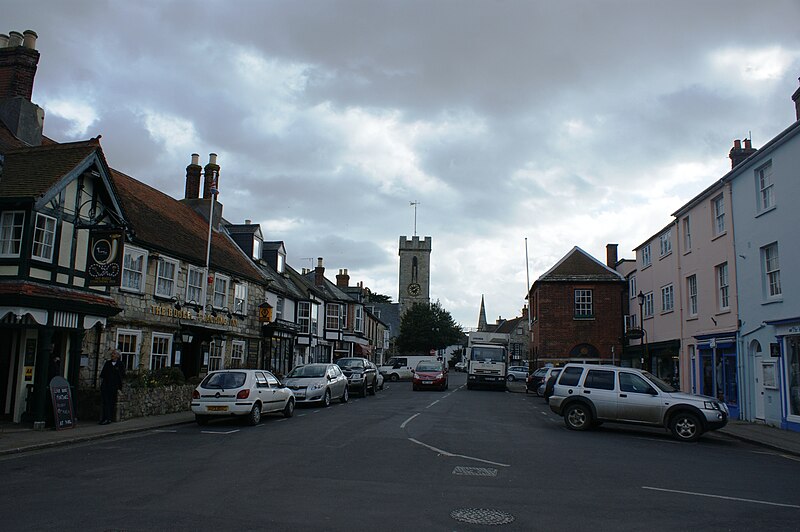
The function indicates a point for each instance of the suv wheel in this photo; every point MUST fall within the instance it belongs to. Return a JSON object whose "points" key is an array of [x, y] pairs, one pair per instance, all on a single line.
{"points": [[685, 426], [578, 416]]}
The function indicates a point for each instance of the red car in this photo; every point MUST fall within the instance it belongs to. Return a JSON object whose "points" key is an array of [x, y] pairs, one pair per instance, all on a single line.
{"points": [[429, 374]]}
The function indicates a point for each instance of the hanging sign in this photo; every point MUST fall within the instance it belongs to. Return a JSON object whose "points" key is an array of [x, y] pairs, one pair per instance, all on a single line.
{"points": [[104, 263]]}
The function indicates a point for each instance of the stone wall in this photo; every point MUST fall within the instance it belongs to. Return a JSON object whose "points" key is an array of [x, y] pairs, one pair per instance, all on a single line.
{"points": [[138, 402]]}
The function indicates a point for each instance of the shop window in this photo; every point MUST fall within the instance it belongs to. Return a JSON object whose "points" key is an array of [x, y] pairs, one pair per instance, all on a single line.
{"points": [[216, 355], [237, 353], [128, 345], [161, 351]]}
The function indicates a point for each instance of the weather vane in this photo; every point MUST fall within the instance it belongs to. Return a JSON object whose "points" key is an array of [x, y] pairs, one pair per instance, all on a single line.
{"points": [[414, 204]]}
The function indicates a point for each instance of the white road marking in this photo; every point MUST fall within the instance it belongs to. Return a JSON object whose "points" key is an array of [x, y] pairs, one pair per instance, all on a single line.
{"points": [[674, 442], [164, 430], [409, 419], [218, 432], [433, 403], [768, 453], [453, 455], [754, 501]]}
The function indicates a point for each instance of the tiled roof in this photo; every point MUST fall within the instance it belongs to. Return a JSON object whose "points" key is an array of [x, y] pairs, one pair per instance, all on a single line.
{"points": [[162, 223], [30, 172], [577, 265], [53, 296]]}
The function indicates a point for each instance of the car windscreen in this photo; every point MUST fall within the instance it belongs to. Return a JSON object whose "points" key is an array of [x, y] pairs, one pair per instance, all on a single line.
{"points": [[350, 363], [225, 379], [661, 385], [487, 354], [428, 366], [306, 372]]}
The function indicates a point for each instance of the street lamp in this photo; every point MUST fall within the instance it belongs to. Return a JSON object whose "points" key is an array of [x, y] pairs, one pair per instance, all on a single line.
{"points": [[646, 358]]}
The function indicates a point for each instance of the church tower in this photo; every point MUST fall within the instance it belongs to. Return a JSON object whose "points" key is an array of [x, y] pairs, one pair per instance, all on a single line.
{"points": [[415, 272]]}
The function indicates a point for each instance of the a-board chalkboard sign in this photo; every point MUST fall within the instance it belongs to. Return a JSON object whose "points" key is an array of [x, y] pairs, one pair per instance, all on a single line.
{"points": [[61, 395]]}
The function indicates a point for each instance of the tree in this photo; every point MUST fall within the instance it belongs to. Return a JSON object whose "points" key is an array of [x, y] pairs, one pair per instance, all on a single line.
{"points": [[425, 327], [374, 297]]}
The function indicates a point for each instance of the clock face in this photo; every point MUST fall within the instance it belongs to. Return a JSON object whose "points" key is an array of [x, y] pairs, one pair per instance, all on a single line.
{"points": [[414, 289]]}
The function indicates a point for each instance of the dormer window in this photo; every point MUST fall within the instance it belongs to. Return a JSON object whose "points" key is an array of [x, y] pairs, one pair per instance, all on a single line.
{"points": [[281, 262], [256, 248]]}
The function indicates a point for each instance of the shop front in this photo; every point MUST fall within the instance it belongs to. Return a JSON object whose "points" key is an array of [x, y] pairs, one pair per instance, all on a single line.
{"points": [[715, 370], [785, 352], [278, 348]]}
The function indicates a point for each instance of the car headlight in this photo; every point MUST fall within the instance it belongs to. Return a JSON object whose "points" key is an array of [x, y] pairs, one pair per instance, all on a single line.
{"points": [[356, 376], [440, 376], [711, 405], [317, 386]]}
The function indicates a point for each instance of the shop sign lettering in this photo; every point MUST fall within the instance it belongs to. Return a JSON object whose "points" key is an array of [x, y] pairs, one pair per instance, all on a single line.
{"points": [[186, 314]]}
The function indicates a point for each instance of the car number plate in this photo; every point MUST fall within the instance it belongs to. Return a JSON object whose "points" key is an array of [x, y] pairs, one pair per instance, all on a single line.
{"points": [[217, 408], [427, 382]]}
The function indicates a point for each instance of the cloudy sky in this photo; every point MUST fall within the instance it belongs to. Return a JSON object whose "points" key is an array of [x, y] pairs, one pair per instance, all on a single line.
{"points": [[569, 123]]}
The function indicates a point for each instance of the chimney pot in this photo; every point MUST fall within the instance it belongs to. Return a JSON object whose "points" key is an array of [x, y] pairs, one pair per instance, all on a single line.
{"points": [[29, 39], [211, 171], [747, 144], [248, 222], [15, 39], [212, 158], [319, 262], [196, 159], [737, 144]]}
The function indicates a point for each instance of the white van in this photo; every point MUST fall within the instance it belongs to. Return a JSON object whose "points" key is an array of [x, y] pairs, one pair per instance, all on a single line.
{"points": [[399, 367]]}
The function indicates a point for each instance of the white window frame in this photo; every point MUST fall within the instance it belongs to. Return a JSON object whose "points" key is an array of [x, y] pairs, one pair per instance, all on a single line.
{"points": [[281, 264], [691, 293], [647, 259], [667, 298], [765, 187], [279, 306], [220, 279], [216, 355], [665, 242], [238, 350], [240, 299], [44, 238], [194, 292], [632, 287], [12, 227], [159, 356], [687, 234], [772, 271], [583, 307], [170, 283], [723, 286], [128, 272], [129, 357], [647, 309], [257, 243], [358, 319], [718, 207], [333, 316], [304, 316]]}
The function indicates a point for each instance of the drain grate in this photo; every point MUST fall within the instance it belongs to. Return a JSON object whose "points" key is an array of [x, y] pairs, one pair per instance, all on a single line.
{"points": [[475, 471], [482, 516]]}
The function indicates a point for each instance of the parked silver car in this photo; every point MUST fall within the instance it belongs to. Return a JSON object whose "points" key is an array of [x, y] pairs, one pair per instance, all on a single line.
{"points": [[589, 394], [240, 392], [517, 373], [317, 383]]}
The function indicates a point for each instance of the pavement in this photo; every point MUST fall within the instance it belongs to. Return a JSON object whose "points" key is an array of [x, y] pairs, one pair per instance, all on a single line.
{"points": [[16, 438]]}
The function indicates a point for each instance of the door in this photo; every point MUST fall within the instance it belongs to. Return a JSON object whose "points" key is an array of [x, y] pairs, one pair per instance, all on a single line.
{"points": [[599, 387], [639, 401], [759, 387]]}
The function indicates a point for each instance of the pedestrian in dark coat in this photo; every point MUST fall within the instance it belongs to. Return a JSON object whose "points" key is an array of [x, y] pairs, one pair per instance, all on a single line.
{"points": [[112, 374]]}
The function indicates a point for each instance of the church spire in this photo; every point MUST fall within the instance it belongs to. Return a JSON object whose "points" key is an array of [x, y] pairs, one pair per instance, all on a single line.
{"points": [[482, 316]]}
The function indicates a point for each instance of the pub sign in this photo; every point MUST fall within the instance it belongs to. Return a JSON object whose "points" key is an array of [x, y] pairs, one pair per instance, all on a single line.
{"points": [[104, 264]]}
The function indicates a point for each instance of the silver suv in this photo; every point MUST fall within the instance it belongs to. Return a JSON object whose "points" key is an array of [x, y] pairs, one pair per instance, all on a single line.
{"points": [[589, 394]]}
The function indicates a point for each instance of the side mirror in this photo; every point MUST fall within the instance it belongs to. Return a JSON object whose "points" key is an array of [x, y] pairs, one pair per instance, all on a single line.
{"points": [[413, 371]]}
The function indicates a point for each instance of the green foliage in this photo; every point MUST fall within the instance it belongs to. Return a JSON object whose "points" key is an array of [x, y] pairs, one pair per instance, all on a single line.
{"points": [[425, 327], [144, 378], [379, 298]]}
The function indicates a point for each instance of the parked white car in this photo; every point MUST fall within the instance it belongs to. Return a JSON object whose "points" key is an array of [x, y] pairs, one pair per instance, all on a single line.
{"points": [[318, 383], [241, 392]]}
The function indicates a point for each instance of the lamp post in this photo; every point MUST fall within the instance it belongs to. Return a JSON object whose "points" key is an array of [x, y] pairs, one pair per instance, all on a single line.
{"points": [[646, 358]]}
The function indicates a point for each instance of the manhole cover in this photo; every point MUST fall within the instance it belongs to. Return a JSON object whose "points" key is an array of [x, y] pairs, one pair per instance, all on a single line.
{"points": [[475, 471], [482, 516]]}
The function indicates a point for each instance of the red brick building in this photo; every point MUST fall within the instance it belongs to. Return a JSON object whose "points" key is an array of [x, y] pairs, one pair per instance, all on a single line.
{"points": [[577, 312]]}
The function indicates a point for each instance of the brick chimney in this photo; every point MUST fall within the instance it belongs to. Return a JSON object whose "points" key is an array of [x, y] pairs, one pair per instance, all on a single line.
{"points": [[738, 154], [211, 172], [319, 273], [796, 99], [611, 256], [193, 172], [342, 279], [18, 60]]}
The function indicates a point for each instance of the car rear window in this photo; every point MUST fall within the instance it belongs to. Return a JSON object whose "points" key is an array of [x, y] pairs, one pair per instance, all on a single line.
{"points": [[570, 376], [225, 379]]}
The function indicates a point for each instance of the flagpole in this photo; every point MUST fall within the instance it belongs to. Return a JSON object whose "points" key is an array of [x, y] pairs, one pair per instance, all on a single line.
{"points": [[214, 193], [528, 294]]}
